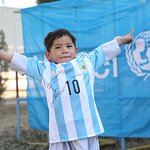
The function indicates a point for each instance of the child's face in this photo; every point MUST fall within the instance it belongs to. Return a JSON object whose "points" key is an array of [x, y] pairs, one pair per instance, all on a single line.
{"points": [[62, 50]]}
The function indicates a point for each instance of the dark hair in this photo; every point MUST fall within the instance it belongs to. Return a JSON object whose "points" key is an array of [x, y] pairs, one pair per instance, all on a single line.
{"points": [[51, 36]]}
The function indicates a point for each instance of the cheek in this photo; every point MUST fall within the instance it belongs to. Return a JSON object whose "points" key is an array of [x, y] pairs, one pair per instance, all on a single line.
{"points": [[73, 54], [56, 55]]}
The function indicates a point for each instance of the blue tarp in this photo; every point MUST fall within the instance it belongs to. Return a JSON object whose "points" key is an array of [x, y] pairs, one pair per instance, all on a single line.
{"points": [[122, 87]]}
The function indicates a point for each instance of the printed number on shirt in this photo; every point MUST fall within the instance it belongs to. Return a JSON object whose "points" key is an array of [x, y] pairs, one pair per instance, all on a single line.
{"points": [[75, 85]]}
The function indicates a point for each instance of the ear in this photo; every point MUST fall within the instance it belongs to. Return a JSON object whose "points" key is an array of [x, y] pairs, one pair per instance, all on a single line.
{"points": [[76, 50], [48, 55]]}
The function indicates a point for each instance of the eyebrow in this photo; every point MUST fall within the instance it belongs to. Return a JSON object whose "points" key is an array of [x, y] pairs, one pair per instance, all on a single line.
{"points": [[69, 43], [57, 44], [61, 44]]}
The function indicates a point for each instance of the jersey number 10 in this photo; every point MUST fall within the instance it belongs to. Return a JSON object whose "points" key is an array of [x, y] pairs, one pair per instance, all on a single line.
{"points": [[75, 85]]}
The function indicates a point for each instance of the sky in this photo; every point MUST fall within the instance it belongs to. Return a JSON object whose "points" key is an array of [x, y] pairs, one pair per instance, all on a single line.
{"points": [[17, 3]]}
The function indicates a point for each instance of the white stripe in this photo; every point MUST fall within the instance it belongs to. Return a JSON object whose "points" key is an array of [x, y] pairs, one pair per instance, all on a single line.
{"points": [[66, 104], [92, 78], [84, 100], [99, 119], [53, 130]]}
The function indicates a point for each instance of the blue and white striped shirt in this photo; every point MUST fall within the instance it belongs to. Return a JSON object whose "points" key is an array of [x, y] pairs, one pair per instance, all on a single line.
{"points": [[69, 89]]}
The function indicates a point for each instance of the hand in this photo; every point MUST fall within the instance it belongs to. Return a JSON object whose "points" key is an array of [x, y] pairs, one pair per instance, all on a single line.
{"points": [[5, 56], [126, 39]]}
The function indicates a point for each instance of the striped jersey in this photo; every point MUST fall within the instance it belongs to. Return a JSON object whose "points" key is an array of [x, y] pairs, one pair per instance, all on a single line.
{"points": [[69, 89]]}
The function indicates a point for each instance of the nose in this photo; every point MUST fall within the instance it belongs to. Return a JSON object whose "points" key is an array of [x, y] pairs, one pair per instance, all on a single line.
{"points": [[65, 50]]}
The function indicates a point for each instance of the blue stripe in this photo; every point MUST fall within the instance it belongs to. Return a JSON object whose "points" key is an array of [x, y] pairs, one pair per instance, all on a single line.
{"points": [[75, 102], [86, 77], [57, 104]]}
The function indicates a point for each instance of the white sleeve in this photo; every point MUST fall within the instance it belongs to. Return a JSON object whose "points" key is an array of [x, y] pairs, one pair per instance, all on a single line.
{"points": [[111, 49], [19, 63]]}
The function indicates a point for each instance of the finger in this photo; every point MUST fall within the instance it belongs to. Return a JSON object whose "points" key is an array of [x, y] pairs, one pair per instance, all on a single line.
{"points": [[132, 31]]}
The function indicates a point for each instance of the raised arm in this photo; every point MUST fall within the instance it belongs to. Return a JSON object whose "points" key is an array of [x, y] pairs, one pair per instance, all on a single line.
{"points": [[112, 48], [5, 56], [17, 61]]}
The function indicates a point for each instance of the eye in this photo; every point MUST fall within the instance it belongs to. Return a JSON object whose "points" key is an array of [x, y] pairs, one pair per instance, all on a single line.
{"points": [[69, 46], [57, 47]]}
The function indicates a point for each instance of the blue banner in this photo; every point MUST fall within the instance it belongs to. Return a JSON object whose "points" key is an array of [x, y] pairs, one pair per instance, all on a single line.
{"points": [[122, 87]]}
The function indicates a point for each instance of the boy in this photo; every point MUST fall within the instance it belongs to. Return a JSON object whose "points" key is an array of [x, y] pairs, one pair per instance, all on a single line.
{"points": [[68, 80]]}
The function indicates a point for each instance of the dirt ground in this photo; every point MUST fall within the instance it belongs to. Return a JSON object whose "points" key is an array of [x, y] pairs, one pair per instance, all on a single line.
{"points": [[30, 139], [37, 140], [8, 116]]}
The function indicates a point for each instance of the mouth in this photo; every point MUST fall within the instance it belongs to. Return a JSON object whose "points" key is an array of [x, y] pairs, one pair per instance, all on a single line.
{"points": [[65, 56]]}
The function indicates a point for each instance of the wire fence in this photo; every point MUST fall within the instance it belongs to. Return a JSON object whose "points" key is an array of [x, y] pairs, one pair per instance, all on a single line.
{"points": [[11, 40]]}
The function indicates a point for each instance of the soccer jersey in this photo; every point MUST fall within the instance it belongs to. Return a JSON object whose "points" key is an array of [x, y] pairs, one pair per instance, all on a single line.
{"points": [[69, 89]]}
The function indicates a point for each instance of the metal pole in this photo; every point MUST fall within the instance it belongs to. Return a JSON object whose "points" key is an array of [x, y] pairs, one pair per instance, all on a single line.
{"points": [[18, 111], [123, 147], [17, 88], [18, 121]]}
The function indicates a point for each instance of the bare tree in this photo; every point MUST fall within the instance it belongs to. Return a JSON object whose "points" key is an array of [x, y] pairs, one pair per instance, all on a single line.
{"points": [[3, 64], [3, 46]]}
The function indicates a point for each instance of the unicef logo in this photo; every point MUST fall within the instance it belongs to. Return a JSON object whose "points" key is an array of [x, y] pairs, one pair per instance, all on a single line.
{"points": [[138, 55]]}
